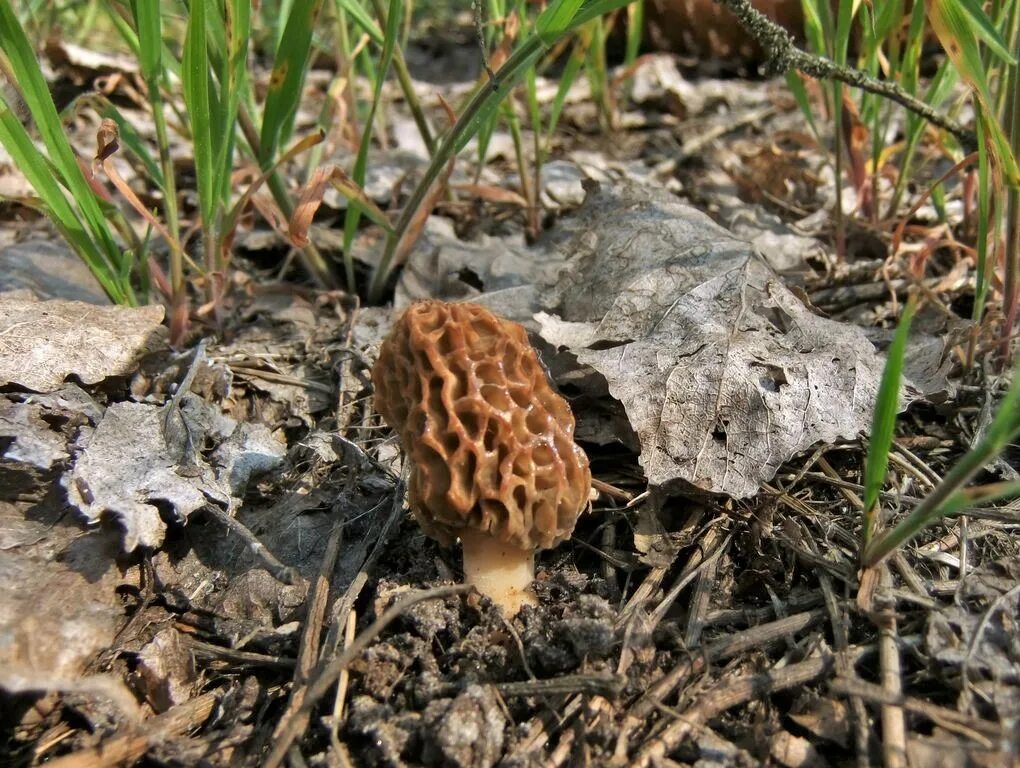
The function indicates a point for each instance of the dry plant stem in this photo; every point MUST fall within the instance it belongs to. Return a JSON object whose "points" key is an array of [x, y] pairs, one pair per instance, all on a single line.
{"points": [[232, 657], [983, 732], [329, 673], [132, 746], [308, 654], [726, 695], [700, 602], [894, 727], [501, 572], [282, 573], [755, 638], [380, 536], [715, 541], [341, 690], [761, 637], [785, 55], [840, 634]]}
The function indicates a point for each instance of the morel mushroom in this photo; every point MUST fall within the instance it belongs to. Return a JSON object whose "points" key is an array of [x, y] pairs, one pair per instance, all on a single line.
{"points": [[491, 445]]}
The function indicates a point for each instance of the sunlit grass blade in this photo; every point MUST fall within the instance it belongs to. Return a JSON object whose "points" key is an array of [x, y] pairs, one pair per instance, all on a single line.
{"points": [[946, 498], [149, 25], [34, 91], [883, 422], [198, 99], [103, 253], [285, 84], [956, 26], [556, 20], [351, 220], [237, 27], [975, 496], [363, 19], [567, 79], [635, 29], [984, 201], [984, 30], [39, 174], [483, 103]]}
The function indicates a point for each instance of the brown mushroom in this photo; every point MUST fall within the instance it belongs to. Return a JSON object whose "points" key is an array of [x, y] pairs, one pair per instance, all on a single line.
{"points": [[491, 445]]}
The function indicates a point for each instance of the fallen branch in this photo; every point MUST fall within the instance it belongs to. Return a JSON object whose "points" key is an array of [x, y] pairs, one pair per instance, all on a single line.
{"points": [[784, 55]]}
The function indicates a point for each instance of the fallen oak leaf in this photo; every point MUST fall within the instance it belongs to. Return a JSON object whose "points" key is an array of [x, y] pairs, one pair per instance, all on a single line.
{"points": [[723, 372]]}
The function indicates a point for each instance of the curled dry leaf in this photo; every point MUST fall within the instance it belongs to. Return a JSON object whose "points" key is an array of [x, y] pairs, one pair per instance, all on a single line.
{"points": [[724, 373]]}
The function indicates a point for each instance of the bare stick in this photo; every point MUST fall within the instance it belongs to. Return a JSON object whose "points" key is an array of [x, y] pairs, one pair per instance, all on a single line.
{"points": [[894, 726], [728, 694], [282, 573], [983, 732], [133, 745]]}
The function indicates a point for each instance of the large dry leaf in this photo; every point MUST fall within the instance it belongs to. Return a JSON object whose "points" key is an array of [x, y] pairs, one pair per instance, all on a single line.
{"points": [[723, 372], [44, 342]]}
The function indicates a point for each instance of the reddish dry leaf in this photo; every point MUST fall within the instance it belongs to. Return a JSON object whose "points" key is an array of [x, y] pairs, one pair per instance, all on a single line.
{"points": [[492, 194], [246, 197], [311, 199]]}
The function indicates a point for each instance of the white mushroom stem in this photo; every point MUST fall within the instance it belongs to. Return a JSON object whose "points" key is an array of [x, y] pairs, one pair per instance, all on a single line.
{"points": [[501, 572]]}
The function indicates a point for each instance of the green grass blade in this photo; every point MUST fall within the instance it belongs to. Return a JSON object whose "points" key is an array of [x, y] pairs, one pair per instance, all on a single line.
{"points": [[800, 95], [984, 202], [196, 82], [570, 73], [37, 171], [883, 423], [362, 18], [556, 20], [285, 84], [957, 31], [944, 499], [238, 30], [34, 91], [483, 103], [635, 28], [984, 30], [149, 24], [353, 217]]}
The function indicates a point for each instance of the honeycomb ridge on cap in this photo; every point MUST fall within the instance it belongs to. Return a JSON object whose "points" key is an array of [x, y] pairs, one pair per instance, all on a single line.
{"points": [[490, 443]]}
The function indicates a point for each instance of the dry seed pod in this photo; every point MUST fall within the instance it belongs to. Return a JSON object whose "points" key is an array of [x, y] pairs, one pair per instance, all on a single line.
{"points": [[491, 445]]}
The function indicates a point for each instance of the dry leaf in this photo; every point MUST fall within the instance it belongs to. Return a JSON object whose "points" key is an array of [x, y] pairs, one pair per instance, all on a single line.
{"points": [[142, 457], [44, 342], [168, 670], [58, 604], [723, 372]]}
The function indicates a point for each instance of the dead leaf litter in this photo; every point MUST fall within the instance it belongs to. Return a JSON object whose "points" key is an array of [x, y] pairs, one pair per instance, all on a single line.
{"points": [[192, 542]]}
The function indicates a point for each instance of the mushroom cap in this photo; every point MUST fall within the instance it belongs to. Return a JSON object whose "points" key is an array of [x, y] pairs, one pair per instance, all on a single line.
{"points": [[491, 444]]}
